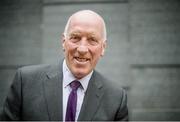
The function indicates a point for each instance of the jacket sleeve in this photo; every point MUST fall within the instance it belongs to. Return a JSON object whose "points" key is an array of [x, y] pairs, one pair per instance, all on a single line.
{"points": [[122, 114], [12, 107]]}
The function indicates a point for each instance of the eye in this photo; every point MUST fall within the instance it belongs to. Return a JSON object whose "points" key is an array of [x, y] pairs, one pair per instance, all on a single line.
{"points": [[75, 38], [93, 41]]}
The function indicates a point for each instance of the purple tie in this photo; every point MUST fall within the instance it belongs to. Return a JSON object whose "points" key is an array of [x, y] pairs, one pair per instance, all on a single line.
{"points": [[72, 101]]}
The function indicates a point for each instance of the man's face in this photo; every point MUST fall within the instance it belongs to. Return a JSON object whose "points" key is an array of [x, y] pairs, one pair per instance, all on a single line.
{"points": [[83, 45]]}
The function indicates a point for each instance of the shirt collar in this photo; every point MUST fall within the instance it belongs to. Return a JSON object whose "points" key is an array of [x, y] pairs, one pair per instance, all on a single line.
{"points": [[68, 77]]}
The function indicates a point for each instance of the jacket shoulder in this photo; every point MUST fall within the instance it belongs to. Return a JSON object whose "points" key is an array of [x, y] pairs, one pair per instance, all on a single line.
{"points": [[34, 68], [108, 83], [114, 97]]}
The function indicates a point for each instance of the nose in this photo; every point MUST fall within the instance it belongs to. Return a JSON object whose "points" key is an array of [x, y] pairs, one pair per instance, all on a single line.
{"points": [[82, 47]]}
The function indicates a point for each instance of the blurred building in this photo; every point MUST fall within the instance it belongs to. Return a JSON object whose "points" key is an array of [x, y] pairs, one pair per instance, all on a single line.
{"points": [[143, 52]]}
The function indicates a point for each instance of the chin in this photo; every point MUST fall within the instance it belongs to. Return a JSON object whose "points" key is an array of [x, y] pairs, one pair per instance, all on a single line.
{"points": [[80, 74]]}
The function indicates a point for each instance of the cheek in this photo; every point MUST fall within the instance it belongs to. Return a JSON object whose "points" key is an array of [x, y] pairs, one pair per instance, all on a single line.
{"points": [[69, 47], [96, 53]]}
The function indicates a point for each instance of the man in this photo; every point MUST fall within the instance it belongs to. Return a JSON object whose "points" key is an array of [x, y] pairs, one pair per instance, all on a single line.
{"points": [[71, 90]]}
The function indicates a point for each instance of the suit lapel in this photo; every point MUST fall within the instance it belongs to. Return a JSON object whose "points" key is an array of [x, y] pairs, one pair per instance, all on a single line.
{"points": [[92, 99], [53, 93]]}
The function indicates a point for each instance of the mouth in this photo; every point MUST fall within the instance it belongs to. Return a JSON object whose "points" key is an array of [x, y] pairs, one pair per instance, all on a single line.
{"points": [[81, 60]]}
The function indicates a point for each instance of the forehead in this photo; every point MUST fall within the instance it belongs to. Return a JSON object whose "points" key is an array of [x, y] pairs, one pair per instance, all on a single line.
{"points": [[81, 33], [86, 24]]}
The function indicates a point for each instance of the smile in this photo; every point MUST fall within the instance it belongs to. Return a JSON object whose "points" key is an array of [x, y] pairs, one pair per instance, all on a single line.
{"points": [[81, 60]]}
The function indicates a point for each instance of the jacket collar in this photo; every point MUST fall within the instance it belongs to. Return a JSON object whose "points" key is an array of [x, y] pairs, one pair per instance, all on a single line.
{"points": [[53, 92], [92, 98]]}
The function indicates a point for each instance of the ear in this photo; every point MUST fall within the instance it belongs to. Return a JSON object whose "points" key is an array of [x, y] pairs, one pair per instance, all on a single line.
{"points": [[63, 41], [103, 48]]}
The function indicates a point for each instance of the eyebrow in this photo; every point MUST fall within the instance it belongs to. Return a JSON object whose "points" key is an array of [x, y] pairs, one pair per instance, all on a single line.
{"points": [[92, 34], [74, 32]]}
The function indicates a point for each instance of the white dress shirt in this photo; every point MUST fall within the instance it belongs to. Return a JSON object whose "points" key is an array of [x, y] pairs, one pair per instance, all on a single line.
{"points": [[67, 79]]}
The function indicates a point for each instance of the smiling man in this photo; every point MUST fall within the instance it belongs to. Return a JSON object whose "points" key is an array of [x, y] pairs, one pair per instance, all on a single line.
{"points": [[84, 42], [72, 90]]}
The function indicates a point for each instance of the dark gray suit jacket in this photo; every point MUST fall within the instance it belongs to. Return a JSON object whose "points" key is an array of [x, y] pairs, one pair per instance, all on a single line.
{"points": [[36, 94]]}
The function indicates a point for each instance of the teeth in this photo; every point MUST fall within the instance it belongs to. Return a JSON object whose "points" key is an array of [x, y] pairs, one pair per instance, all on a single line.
{"points": [[81, 59]]}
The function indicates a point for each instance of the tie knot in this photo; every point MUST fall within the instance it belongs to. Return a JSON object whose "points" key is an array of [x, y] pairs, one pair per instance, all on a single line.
{"points": [[75, 84]]}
